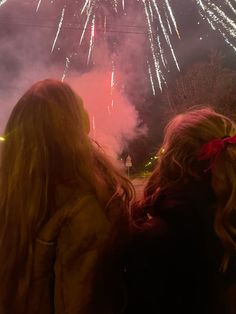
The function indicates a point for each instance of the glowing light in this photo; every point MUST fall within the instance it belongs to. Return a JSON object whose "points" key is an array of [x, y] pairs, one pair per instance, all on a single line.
{"points": [[66, 69], [112, 77], [2, 2], [93, 123], [39, 3], [91, 38], [123, 4], [59, 29], [151, 79], [2, 139], [105, 25]]}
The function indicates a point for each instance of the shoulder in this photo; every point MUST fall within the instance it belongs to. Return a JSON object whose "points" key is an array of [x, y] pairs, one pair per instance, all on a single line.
{"points": [[86, 228], [86, 211]]}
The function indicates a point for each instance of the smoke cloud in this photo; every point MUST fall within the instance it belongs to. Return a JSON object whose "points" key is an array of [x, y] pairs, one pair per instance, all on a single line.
{"points": [[114, 121]]}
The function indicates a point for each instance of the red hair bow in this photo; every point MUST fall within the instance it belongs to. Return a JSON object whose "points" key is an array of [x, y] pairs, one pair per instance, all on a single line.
{"points": [[213, 148]]}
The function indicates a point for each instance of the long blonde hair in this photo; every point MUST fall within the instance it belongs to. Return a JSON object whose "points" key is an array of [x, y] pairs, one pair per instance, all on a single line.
{"points": [[178, 163], [46, 144]]}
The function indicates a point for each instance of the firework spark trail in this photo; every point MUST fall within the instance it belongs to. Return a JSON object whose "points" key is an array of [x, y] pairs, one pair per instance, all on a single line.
{"points": [[112, 83], [231, 6], [218, 20], [123, 4], [86, 5], [39, 3], [112, 80], [172, 17], [152, 46], [215, 14], [161, 51], [66, 69], [150, 9], [204, 13], [115, 5], [2, 2], [105, 25], [168, 22], [226, 19], [203, 10], [167, 38], [91, 39], [228, 42], [151, 79], [89, 14], [93, 127], [59, 29]]}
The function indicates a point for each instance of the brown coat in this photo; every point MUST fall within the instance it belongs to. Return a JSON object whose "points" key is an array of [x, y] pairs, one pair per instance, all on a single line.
{"points": [[64, 272]]}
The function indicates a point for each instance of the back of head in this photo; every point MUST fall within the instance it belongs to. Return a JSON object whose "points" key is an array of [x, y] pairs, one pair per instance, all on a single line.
{"points": [[184, 136], [47, 128], [179, 163]]}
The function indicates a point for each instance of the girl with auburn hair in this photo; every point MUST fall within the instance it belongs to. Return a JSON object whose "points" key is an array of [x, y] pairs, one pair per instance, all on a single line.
{"points": [[184, 228], [63, 210]]}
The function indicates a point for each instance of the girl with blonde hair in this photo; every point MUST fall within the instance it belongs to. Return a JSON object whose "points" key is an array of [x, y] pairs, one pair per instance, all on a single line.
{"points": [[63, 210], [184, 230]]}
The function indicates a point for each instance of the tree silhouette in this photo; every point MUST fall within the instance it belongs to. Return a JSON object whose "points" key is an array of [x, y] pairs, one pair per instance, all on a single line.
{"points": [[204, 83]]}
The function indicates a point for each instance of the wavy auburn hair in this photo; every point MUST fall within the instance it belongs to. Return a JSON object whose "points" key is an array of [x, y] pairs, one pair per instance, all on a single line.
{"points": [[46, 145], [178, 164]]}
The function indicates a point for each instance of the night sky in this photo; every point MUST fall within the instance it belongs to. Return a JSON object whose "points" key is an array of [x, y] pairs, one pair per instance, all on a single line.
{"points": [[27, 36]]}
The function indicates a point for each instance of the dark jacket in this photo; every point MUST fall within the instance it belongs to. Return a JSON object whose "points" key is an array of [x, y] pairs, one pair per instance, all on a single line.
{"points": [[174, 257], [75, 273]]}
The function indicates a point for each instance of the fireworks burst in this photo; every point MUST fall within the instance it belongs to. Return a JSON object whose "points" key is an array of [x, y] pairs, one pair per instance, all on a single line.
{"points": [[161, 27], [160, 22]]}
